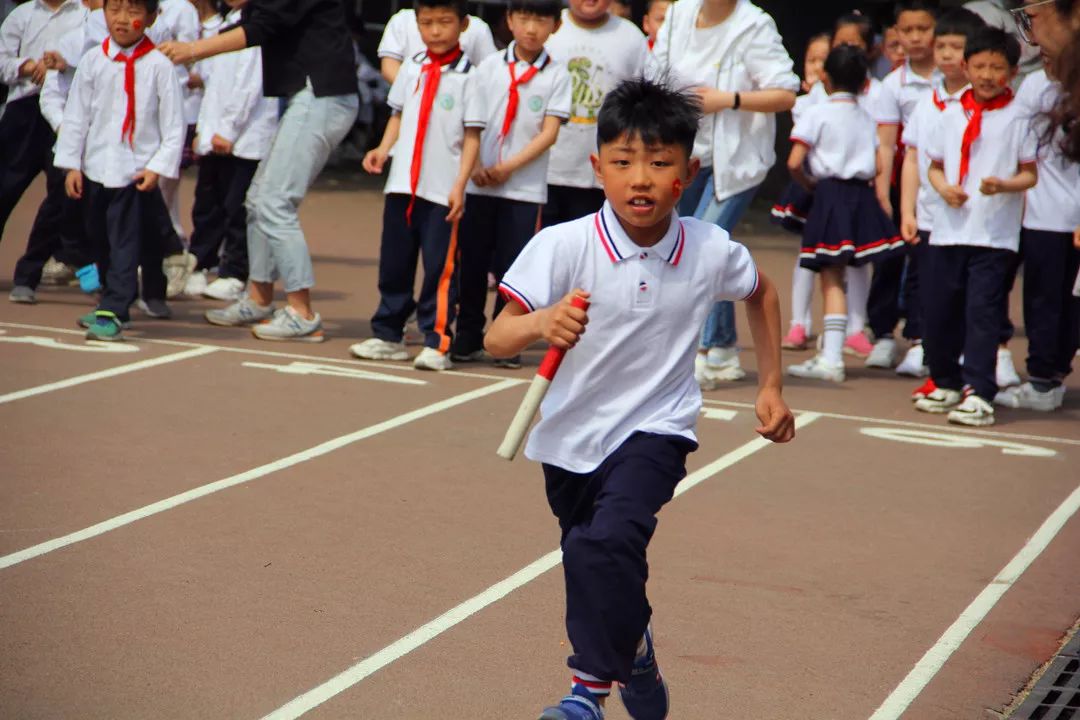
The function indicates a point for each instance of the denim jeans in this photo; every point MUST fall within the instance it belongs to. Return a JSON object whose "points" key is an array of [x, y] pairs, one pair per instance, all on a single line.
{"points": [[310, 128], [700, 200]]}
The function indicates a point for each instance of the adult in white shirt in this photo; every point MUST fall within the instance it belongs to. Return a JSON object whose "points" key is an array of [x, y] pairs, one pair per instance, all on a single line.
{"points": [[401, 39], [730, 52]]}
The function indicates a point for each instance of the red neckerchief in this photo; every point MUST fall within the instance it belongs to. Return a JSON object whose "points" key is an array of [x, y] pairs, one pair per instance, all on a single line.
{"points": [[430, 74], [145, 45], [974, 126], [652, 42], [514, 97], [938, 102]]}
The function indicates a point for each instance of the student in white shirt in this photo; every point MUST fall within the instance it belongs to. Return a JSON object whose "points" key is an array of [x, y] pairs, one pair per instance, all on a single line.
{"points": [[618, 420], [116, 140], [599, 49], [983, 159], [918, 200], [1051, 260], [25, 136], [235, 128], [425, 192], [521, 97], [401, 40], [732, 54]]}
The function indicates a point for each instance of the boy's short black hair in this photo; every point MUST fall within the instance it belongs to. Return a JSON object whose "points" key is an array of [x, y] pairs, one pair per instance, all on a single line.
{"points": [[991, 39], [458, 6], [847, 67], [927, 6], [958, 21], [862, 22], [540, 8], [650, 3], [150, 5], [653, 111]]}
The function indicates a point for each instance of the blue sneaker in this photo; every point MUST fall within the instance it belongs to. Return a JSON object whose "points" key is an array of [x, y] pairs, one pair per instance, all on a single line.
{"points": [[646, 695], [580, 704]]}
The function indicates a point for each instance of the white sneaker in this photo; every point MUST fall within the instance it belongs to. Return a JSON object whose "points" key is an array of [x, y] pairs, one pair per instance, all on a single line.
{"points": [[914, 363], [884, 354], [818, 368], [940, 401], [1028, 398], [195, 285], [1006, 371], [722, 365], [229, 289], [432, 359], [376, 349], [177, 268], [701, 373], [973, 411]]}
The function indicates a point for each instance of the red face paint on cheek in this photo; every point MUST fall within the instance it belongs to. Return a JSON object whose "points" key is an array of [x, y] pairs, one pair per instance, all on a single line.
{"points": [[676, 188], [137, 24]]}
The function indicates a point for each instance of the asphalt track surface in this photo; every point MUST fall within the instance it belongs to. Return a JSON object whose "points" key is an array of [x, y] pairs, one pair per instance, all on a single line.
{"points": [[202, 525]]}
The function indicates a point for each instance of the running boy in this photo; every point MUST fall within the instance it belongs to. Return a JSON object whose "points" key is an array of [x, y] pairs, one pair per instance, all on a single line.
{"points": [[618, 421], [520, 99], [983, 159], [425, 192], [123, 128]]}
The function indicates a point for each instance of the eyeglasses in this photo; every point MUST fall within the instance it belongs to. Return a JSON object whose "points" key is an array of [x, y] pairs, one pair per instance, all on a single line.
{"points": [[1023, 20]]}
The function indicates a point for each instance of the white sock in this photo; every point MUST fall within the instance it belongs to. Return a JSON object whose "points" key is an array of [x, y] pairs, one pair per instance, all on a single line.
{"points": [[802, 295], [858, 294], [833, 347]]}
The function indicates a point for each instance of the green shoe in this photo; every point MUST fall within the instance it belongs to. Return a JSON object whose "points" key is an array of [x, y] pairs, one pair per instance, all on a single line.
{"points": [[91, 317], [106, 327]]}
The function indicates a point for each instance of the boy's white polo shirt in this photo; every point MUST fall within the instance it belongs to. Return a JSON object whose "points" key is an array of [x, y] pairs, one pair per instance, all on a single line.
{"points": [[633, 369], [445, 131], [841, 137], [1005, 142], [546, 94], [1053, 205], [917, 133], [901, 91]]}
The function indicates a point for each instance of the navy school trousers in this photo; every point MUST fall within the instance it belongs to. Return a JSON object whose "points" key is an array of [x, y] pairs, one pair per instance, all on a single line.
{"points": [[607, 518], [493, 233], [967, 292], [26, 142], [219, 216], [57, 231], [566, 203], [1051, 312], [432, 240]]}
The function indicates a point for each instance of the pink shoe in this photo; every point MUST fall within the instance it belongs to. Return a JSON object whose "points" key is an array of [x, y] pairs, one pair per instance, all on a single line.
{"points": [[795, 339], [858, 344]]}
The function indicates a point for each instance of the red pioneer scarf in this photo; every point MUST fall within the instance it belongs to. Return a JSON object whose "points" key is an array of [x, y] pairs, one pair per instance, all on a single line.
{"points": [[515, 98], [974, 126], [144, 46], [430, 74], [938, 102]]}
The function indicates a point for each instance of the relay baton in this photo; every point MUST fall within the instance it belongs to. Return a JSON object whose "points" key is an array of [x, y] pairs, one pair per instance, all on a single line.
{"points": [[515, 434]]}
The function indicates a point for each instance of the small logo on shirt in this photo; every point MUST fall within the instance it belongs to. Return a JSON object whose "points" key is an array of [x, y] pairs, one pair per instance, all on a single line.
{"points": [[536, 103], [446, 101], [643, 286]]}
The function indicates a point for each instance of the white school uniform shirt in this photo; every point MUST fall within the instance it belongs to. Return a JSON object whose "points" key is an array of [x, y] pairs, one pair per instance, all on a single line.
{"points": [[868, 99], [193, 97], [917, 134], [177, 20], [30, 30], [841, 137], [401, 38], [1053, 205], [633, 371], [72, 47], [597, 59], [445, 131], [546, 94], [901, 91], [90, 135], [1005, 142]]}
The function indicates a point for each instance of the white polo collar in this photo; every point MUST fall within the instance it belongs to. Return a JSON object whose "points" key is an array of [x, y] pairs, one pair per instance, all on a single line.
{"points": [[618, 246], [542, 60]]}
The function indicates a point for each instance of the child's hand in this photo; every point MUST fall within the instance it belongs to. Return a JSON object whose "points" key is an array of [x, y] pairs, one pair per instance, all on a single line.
{"points": [[777, 422], [497, 175], [955, 196], [375, 160], [562, 324], [38, 76], [456, 203], [146, 180], [73, 184], [220, 146], [54, 61], [28, 68], [992, 186], [909, 229], [480, 178]]}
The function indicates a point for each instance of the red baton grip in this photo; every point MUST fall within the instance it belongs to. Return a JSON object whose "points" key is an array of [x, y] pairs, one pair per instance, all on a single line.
{"points": [[554, 357]]}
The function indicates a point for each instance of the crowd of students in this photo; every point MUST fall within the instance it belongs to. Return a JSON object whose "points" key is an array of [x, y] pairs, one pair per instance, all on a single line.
{"points": [[908, 190]]}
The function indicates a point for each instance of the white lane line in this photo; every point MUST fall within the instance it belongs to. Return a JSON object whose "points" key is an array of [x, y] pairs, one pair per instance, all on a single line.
{"points": [[286, 462], [103, 374], [402, 367], [921, 426], [925, 670], [429, 631]]}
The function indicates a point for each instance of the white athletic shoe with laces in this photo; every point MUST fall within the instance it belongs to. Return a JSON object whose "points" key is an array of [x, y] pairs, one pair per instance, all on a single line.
{"points": [[940, 401], [432, 359], [229, 289], [883, 355], [1005, 372], [914, 363], [818, 368], [195, 285], [1027, 397], [376, 349], [722, 364], [973, 412]]}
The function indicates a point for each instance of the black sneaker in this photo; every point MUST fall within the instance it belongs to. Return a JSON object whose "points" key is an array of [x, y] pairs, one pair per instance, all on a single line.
{"points": [[467, 356], [511, 363], [155, 309]]}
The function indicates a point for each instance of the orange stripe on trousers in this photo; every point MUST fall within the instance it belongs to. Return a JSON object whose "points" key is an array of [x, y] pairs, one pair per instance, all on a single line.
{"points": [[442, 298]]}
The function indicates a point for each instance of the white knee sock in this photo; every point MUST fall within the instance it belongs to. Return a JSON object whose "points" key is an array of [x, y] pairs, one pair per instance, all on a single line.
{"points": [[833, 345], [802, 296], [858, 294]]}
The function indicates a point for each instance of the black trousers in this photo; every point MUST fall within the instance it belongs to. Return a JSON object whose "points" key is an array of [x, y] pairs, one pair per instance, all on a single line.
{"points": [[219, 216], [58, 231], [968, 290], [116, 223], [607, 518], [26, 143], [493, 233], [570, 203], [1051, 312], [433, 240]]}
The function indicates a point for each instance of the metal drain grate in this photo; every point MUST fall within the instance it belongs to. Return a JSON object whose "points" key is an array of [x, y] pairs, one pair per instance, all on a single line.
{"points": [[1057, 694]]}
